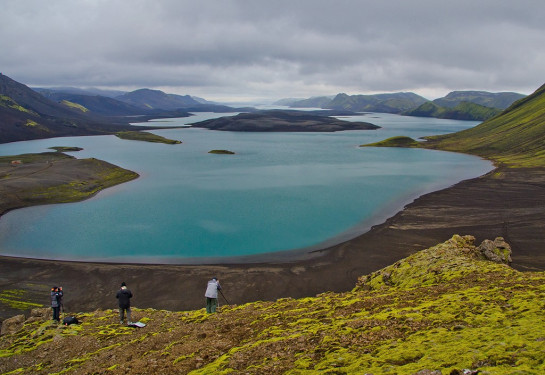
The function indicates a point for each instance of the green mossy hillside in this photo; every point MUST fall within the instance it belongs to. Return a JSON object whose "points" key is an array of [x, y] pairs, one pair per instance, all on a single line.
{"points": [[73, 105], [515, 138], [7, 102], [444, 309]]}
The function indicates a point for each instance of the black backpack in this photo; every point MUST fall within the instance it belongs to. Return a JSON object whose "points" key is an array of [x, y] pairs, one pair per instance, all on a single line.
{"points": [[70, 320]]}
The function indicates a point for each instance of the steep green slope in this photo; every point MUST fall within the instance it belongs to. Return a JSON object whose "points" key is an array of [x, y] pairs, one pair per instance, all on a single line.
{"points": [[516, 137], [442, 309]]}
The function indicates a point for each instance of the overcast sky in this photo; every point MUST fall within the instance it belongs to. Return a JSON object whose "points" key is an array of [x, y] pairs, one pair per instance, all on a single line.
{"points": [[244, 50]]}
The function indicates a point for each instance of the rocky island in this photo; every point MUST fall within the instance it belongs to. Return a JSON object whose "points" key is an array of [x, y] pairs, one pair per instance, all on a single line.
{"points": [[221, 152], [145, 137], [282, 121]]}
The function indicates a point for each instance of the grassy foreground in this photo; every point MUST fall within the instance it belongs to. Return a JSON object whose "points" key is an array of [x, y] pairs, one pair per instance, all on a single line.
{"points": [[443, 309]]}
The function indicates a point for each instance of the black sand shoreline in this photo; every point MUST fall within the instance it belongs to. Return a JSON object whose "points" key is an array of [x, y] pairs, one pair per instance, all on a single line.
{"points": [[506, 202]]}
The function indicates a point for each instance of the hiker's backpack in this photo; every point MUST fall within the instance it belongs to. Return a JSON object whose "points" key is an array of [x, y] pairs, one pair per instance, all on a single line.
{"points": [[70, 320]]}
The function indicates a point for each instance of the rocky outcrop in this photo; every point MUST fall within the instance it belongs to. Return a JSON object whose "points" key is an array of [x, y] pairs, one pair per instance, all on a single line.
{"points": [[434, 265], [12, 325], [497, 251]]}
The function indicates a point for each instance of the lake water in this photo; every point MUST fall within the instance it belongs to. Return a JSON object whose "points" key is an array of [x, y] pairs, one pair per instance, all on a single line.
{"points": [[281, 191]]}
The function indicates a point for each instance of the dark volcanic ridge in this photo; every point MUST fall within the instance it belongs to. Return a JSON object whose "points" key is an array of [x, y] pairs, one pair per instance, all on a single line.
{"points": [[282, 121]]}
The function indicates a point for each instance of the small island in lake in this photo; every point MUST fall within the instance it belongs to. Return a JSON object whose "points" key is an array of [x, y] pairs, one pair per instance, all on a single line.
{"points": [[146, 137], [282, 121], [221, 152], [65, 148], [399, 141]]}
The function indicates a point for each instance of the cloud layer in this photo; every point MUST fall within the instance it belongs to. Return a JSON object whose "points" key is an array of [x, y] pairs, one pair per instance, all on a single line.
{"points": [[272, 49]]}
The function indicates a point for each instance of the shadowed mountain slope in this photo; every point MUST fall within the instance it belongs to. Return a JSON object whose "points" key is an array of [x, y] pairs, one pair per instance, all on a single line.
{"points": [[156, 99], [26, 114]]}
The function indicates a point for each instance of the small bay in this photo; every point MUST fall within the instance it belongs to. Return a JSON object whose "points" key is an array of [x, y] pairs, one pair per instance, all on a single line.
{"points": [[280, 191]]}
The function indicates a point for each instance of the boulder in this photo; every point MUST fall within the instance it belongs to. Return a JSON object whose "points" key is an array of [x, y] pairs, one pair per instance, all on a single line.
{"points": [[497, 251], [43, 312], [12, 325]]}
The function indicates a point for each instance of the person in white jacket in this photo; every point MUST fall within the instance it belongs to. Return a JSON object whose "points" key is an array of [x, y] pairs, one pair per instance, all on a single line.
{"points": [[212, 295]]}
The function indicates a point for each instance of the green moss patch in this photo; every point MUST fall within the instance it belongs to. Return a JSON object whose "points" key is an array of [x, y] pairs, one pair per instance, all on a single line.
{"points": [[17, 299], [74, 106]]}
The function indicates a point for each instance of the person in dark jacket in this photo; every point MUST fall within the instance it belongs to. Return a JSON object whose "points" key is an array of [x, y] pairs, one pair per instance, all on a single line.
{"points": [[55, 303], [61, 303], [124, 296]]}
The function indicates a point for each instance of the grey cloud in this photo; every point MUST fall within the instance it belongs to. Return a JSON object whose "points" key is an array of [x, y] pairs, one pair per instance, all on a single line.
{"points": [[275, 49]]}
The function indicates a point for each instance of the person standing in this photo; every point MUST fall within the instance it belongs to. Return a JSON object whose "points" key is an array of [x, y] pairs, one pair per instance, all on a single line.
{"points": [[61, 303], [124, 296], [55, 303], [212, 295]]}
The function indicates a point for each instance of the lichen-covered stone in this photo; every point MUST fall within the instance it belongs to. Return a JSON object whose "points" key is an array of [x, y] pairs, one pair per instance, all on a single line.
{"points": [[12, 324], [497, 251]]}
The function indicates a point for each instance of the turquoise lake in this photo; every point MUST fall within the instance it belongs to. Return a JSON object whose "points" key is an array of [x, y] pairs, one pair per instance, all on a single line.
{"points": [[281, 191]]}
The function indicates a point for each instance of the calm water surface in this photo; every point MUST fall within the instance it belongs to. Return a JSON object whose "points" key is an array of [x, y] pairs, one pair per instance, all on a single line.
{"points": [[281, 191]]}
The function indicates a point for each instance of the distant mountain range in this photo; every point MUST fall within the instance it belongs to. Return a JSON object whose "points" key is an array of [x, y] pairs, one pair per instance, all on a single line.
{"points": [[75, 90], [145, 102], [461, 111], [462, 105], [44, 113], [156, 99], [514, 137], [25, 114], [500, 100]]}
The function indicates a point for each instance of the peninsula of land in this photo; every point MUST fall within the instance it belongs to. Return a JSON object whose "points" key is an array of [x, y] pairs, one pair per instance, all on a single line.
{"points": [[54, 177]]}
